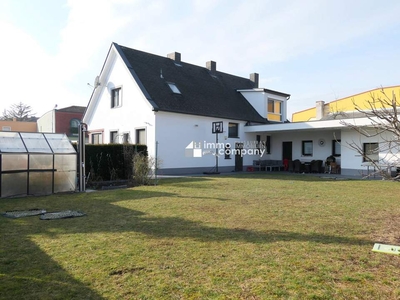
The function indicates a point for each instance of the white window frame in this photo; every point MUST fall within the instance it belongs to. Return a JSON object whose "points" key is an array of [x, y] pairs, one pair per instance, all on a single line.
{"points": [[119, 102], [96, 133], [114, 139], [137, 130]]}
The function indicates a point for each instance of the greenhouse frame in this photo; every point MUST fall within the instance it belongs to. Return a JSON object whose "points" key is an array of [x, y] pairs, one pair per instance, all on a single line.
{"points": [[36, 164]]}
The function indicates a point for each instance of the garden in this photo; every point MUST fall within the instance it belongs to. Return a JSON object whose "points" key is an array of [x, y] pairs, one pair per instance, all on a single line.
{"points": [[244, 236]]}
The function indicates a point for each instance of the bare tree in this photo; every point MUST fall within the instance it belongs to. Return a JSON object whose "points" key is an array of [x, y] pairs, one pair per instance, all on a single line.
{"points": [[20, 111], [382, 112]]}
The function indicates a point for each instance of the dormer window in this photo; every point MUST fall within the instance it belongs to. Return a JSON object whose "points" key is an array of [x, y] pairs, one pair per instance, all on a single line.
{"points": [[174, 88], [274, 108]]}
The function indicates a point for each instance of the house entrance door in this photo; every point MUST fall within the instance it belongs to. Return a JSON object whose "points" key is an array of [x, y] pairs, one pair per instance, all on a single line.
{"points": [[287, 150]]}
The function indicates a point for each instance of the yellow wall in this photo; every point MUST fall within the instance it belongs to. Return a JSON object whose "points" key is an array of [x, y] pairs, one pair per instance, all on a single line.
{"points": [[349, 103], [19, 126]]}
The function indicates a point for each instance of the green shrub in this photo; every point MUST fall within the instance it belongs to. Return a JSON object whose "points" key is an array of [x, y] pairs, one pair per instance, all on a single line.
{"points": [[142, 168]]}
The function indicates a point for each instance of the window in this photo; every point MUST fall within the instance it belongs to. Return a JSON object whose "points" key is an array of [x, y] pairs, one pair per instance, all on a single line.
{"points": [[141, 136], [73, 126], [307, 148], [97, 138], [274, 106], [174, 88], [116, 97], [336, 149], [6, 128], [258, 141], [371, 152], [271, 106], [126, 138], [113, 137], [233, 130], [228, 151], [268, 145]]}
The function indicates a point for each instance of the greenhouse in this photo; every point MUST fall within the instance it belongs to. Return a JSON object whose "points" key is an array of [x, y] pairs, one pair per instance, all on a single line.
{"points": [[36, 164]]}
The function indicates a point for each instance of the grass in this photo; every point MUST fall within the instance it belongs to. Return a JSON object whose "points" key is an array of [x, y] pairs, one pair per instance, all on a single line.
{"points": [[250, 236]]}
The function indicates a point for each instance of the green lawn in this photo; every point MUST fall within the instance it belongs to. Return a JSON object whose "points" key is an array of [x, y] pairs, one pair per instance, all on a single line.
{"points": [[249, 236]]}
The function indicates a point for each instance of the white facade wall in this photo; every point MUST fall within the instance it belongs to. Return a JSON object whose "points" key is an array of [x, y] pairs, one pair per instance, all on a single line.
{"points": [[46, 123], [352, 161], [134, 113], [319, 152], [257, 100], [176, 131]]}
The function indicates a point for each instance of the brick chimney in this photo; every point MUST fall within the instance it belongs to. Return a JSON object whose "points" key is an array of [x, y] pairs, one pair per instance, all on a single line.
{"points": [[320, 110], [254, 78], [175, 56], [212, 66]]}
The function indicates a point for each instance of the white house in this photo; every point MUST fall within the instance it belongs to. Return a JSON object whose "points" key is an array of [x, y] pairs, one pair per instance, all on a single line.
{"points": [[173, 107]]}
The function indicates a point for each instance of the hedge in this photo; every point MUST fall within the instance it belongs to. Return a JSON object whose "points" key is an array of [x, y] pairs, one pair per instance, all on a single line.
{"points": [[111, 161]]}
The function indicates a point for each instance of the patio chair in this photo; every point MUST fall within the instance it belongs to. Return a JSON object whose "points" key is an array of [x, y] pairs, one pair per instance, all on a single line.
{"points": [[291, 166], [316, 166], [297, 166]]}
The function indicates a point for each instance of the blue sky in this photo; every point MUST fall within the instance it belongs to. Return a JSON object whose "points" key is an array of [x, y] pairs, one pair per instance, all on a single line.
{"points": [[313, 50]]}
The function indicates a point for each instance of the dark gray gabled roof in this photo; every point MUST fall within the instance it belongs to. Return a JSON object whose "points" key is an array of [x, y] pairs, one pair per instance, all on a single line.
{"points": [[201, 92], [73, 109]]}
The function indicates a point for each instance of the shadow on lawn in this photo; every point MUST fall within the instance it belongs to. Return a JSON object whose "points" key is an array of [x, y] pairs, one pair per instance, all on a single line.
{"points": [[26, 271]]}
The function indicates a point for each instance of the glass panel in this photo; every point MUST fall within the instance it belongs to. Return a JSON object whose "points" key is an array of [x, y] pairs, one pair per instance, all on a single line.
{"points": [[270, 106], [233, 130], [65, 181], [65, 163], [35, 142], [14, 184], [337, 148], [371, 150], [66, 176], [307, 147], [174, 88], [11, 142], [141, 136], [40, 183], [40, 161], [60, 143], [14, 162]]}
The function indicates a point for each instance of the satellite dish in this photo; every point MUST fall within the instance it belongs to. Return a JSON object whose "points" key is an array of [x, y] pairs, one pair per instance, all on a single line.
{"points": [[96, 82]]}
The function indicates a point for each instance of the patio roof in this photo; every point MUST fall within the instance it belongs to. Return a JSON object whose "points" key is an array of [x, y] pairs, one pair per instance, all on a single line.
{"points": [[308, 126]]}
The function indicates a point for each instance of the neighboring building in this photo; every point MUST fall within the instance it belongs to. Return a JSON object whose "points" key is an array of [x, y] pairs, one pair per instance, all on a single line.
{"points": [[65, 120], [324, 110], [172, 107], [22, 126]]}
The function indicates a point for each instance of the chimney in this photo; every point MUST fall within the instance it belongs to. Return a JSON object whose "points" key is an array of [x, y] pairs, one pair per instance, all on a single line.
{"points": [[320, 108], [175, 56], [254, 78], [212, 66]]}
